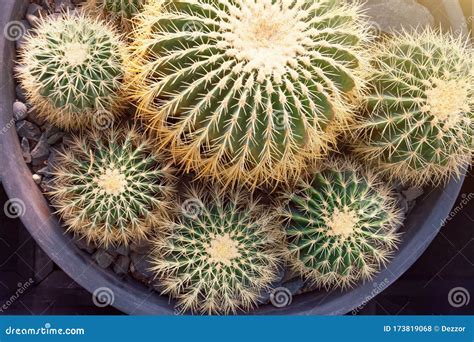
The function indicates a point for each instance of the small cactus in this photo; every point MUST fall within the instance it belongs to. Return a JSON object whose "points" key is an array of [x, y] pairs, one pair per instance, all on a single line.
{"points": [[341, 226], [72, 70], [220, 254], [247, 91], [117, 11], [418, 125], [109, 189]]}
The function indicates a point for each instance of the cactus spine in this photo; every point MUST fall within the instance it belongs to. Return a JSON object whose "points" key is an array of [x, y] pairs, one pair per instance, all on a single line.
{"points": [[341, 226], [418, 126], [246, 91]]}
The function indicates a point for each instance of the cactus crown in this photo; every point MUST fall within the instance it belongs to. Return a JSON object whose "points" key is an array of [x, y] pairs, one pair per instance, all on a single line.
{"points": [[245, 91], [220, 254], [72, 68], [109, 188], [118, 11], [341, 225], [420, 106]]}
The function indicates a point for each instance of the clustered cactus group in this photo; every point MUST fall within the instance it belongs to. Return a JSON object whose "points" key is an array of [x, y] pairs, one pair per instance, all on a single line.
{"points": [[253, 97]]}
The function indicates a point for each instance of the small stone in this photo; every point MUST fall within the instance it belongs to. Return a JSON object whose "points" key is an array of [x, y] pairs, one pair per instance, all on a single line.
{"points": [[402, 203], [140, 268], [35, 9], [141, 246], [412, 193], [391, 16], [34, 117], [41, 151], [25, 150], [33, 20], [53, 154], [122, 265], [37, 178], [112, 251], [102, 258], [63, 5], [28, 130], [85, 246], [53, 139], [20, 93], [294, 285], [123, 250], [20, 111]]}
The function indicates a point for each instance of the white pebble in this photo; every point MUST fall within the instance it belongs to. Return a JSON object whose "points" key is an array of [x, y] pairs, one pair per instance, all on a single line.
{"points": [[37, 178]]}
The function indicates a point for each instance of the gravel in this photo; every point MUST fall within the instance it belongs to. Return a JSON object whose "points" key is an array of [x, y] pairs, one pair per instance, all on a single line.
{"points": [[20, 111], [28, 130]]}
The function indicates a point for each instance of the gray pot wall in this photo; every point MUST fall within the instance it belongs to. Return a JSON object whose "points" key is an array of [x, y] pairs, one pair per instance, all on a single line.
{"points": [[132, 297]]}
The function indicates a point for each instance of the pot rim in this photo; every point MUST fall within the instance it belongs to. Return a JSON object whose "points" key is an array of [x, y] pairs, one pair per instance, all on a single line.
{"points": [[131, 296]]}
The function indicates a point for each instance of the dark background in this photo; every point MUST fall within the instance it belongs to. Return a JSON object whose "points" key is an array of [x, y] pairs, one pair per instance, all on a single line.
{"points": [[423, 289]]}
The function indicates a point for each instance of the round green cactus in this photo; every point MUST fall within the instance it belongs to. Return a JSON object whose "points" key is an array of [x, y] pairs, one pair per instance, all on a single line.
{"points": [[109, 189], [341, 226], [118, 11], [221, 253], [72, 70], [418, 126], [247, 91]]}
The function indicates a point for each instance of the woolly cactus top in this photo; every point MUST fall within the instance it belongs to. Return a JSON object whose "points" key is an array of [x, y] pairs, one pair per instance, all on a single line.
{"points": [[72, 68], [246, 90]]}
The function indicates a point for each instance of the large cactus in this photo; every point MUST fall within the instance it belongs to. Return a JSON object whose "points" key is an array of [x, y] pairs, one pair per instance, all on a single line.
{"points": [[72, 70], [118, 11], [418, 125], [109, 189], [341, 226], [246, 91], [219, 254]]}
